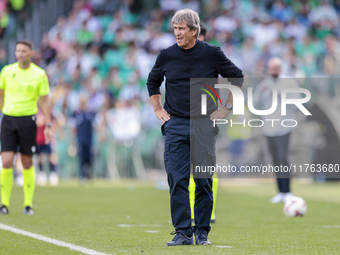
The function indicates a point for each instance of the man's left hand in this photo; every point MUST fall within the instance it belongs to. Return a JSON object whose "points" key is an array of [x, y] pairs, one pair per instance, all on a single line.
{"points": [[47, 134], [220, 113]]}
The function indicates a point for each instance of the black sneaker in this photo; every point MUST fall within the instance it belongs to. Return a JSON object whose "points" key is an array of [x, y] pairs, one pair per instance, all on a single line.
{"points": [[201, 237], [3, 209], [180, 239], [28, 210]]}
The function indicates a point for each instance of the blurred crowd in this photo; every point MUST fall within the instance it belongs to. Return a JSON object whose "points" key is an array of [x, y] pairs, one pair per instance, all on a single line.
{"points": [[6, 8], [103, 50], [109, 46]]}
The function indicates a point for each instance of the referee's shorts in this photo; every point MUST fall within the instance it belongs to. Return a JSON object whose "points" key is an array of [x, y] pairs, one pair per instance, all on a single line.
{"points": [[19, 131]]}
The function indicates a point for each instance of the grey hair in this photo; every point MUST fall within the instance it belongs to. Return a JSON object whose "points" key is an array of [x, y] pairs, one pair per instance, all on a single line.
{"points": [[190, 17]]}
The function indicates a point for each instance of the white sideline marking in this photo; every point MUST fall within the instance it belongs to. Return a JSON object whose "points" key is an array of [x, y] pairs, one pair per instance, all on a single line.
{"points": [[222, 246], [52, 241], [151, 231], [331, 226], [137, 225]]}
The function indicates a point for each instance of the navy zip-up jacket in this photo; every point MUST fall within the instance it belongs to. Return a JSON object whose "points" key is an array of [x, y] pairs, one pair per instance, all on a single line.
{"points": [[178, 65]]}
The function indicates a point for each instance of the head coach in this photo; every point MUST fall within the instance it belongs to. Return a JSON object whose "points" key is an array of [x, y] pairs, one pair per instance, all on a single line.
{"points": [[188, 58]]}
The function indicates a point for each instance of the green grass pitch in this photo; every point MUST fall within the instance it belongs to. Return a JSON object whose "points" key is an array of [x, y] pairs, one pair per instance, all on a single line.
{"points": [[133, 218]]}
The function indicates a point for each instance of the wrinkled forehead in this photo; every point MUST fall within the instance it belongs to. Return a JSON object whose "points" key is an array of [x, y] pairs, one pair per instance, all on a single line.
{"points": [[182, 24]]}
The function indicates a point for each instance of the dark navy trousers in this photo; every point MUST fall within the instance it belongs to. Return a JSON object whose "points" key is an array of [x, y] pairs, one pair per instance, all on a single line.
{"points": [[278, 147], [189, 143], [85, 160]]}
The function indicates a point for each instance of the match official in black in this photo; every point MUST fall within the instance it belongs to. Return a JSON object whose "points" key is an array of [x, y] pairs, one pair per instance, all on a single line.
{"points": [[188, 58]]}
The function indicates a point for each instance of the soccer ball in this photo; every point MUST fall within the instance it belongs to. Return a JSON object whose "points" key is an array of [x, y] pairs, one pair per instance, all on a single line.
{"points": [[295, 206]]}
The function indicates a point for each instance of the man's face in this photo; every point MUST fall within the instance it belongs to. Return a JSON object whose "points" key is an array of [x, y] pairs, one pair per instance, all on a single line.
{"points": [[23, 53], [83, 104], [184, 36], [274, 70]]}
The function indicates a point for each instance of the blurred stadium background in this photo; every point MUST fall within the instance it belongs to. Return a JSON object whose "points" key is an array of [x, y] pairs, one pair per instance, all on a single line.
{"points": [[103, 50], [100, 52]]}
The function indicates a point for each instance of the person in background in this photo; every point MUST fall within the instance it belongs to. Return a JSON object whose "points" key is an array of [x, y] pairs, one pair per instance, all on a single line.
{"points": [[84, 119], [45, 148], [192, 185], [22, 86], [277, 135]]}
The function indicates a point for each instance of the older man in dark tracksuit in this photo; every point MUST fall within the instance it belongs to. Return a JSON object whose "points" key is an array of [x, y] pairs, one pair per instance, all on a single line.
{"points": [[185, 130]]}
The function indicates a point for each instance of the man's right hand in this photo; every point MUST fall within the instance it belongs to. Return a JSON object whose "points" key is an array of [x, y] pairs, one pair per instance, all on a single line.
{"points": [[162, 115]]}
